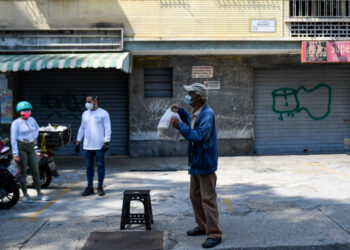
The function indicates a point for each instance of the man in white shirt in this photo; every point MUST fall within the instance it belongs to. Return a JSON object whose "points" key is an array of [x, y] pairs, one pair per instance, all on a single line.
{"points": [[95, 128]]}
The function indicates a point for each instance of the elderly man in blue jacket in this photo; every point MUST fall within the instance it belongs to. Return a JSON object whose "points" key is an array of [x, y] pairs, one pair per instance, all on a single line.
{"points": [[200, 131]]}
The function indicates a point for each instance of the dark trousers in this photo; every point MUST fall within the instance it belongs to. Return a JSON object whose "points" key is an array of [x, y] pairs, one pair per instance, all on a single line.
{"points": [[90, 156], [203, 197], [28, 157]]}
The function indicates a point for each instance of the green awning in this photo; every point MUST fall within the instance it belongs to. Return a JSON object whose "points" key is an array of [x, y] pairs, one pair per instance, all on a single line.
{"points": [[36, 62]]}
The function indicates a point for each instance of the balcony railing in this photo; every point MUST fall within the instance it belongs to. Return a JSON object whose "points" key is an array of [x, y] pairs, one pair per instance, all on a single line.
{"points": [[319, 8]]}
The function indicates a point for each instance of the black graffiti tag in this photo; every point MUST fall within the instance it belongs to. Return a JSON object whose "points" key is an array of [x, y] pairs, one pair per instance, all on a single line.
{"points": [[63, 105]]}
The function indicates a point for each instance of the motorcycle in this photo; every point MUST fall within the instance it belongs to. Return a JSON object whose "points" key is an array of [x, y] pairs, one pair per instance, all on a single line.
{"points": [[9, 179], [47, 167]]}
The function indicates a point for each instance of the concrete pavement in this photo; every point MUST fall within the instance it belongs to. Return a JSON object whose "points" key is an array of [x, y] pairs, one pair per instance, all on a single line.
{"points": [[277, 202]]}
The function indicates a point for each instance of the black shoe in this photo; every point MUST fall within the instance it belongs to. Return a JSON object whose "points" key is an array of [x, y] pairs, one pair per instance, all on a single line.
{"points": [[100, 191], [211, 242], [87, 191], [196, 231], [55, 174]]}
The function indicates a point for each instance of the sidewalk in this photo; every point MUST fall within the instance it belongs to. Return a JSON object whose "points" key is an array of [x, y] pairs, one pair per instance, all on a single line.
{"points": [[129, 164], [274, 202]]}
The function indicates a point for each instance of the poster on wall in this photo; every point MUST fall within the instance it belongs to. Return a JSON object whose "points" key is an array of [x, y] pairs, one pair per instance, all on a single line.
{"points": [[325, 52], [6, 106], [202, 71]]}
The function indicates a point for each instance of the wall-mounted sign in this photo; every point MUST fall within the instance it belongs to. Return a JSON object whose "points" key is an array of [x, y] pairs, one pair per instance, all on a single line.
{"points": [[212, 84], [202, 71], [263, 26], [6, 106], [325, 52]]}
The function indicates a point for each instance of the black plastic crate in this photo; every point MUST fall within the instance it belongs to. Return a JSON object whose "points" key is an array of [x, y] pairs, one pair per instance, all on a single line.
{"points": [[56, 139]]}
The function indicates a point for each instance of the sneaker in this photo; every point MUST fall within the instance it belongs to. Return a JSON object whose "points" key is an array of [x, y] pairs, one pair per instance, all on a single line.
{"points": [[88, 191], [43, 197], [211, 242], [27, 199], [100, 191], [196, 231]]}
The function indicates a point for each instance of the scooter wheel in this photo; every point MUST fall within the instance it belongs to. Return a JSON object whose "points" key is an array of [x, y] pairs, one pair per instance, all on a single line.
{"points": [[10, 198], [45, 176]]}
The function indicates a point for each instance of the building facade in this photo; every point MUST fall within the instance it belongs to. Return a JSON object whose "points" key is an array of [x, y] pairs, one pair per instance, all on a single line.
{"points": [[249, 53]]}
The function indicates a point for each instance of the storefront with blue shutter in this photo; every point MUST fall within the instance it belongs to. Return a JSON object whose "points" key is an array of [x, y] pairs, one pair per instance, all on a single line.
{"points": [[56, 85], [301, 109]]}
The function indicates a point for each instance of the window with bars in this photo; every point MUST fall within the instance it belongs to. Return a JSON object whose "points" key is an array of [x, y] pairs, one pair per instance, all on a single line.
{"points": [[319, 8], [158, 82]]}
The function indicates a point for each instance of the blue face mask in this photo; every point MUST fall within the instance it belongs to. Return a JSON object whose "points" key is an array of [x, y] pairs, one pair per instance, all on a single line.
{"points": [[188, 99]]}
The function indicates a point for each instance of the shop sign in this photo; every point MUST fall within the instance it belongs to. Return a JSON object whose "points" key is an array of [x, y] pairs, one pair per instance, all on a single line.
{"points": [[325, 52], [263, 26], [202, 71], [212, 84]]}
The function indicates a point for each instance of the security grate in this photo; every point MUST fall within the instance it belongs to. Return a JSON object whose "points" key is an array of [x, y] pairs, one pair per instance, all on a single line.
{"points": [[65, 40], [320, 29], [319, 8]]}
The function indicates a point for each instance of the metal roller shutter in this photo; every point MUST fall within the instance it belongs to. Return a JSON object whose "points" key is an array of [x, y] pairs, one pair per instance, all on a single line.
{"points": [[302, 110], [58, 96]]}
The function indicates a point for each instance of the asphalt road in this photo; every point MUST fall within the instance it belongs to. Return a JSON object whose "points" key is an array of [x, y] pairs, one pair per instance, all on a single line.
{"points": [[274, 202]]}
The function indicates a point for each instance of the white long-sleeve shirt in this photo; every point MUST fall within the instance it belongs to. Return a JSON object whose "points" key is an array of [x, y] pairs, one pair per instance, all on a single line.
{"points": [[23, 130], [95, 128]]}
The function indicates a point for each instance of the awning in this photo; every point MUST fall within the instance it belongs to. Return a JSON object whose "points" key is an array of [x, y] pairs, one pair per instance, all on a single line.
{"points": [[36, 62]]}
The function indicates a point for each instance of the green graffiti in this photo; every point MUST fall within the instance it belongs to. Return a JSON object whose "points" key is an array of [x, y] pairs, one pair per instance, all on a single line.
{"points": [[292, 104]]}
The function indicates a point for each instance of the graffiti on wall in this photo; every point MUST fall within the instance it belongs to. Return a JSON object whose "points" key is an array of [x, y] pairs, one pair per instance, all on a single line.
{"points": [[286, 101], [63, 105]]}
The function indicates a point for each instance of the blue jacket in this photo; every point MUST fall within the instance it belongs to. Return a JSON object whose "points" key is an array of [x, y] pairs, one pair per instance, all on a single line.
{"points": [[203, 146]]}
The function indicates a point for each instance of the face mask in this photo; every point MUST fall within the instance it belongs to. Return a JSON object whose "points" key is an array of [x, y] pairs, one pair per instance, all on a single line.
{"points": [[188, 99], [25, 114], [89, 106]]}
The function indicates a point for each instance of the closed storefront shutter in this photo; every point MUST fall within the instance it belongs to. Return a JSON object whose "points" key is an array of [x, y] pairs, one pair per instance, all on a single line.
{"points": [[302, 110], [58, 97]]}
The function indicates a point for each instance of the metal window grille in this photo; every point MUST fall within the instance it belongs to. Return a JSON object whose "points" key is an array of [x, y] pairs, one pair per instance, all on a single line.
{"points": [[158, 82], [319, 8], [320, 29]]}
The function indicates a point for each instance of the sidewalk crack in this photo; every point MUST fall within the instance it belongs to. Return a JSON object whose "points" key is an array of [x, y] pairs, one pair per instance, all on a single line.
{"points": [[334, 221], [23, 244]]}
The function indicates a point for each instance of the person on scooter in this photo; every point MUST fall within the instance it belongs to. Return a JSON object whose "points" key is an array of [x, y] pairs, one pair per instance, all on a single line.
{"points": [[24, 133]]}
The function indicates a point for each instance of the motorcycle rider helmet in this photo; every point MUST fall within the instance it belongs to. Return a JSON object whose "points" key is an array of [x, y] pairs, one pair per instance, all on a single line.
{"points": [[23, 105]]}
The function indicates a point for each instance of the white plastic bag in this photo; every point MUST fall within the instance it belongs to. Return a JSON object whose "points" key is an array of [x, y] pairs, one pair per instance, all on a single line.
{"points": [[53, 128], [165, 129]]}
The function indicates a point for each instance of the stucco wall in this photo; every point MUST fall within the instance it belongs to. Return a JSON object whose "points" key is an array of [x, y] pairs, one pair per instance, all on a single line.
{"points": [[232, 103], [151, 19]]}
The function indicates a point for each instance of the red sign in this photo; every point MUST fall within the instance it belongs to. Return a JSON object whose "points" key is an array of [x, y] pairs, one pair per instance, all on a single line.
{"points": [[325, 52]]}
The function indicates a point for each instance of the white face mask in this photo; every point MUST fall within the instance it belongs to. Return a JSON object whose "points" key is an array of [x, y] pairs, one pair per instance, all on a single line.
{"points": [[89, 106]]}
